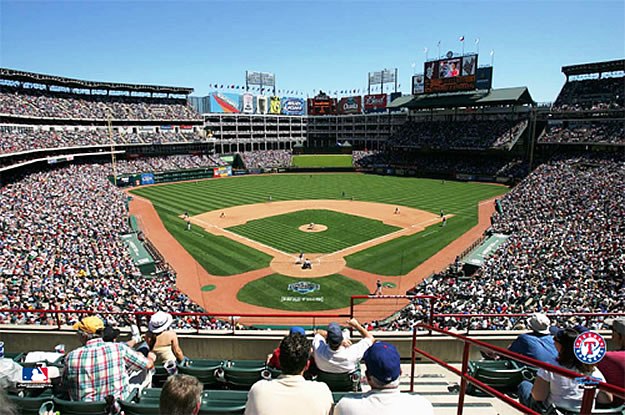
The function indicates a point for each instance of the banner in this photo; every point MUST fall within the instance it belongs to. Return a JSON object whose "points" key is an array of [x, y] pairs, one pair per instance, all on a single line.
{"points": [[147, 178], [166, 127], [417, 84], [350, 105], [293, 106], [274, 105], [186, 127], [375, 102], [221, 102], [248, 103], [261, 105], [222, 171]]}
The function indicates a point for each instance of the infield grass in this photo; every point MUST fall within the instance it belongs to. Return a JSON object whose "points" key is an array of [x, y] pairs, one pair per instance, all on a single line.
{"points": [[272, 291], [329, 160], [221, 256], [282, 231]]}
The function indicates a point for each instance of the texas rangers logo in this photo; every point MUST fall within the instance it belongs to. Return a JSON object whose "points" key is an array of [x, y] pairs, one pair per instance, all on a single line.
{"points": [[589, 347], [304, 287]]}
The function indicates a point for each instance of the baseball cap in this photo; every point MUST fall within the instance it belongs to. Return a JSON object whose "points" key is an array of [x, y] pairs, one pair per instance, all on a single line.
{"points": [[297, 330], [539, 323], [383, 363], [110, 333], [335, 335], [560, 333], [91, 325]]}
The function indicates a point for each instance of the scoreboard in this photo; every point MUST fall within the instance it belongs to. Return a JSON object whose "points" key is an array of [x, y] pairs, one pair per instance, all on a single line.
{"points": [[450, 74]]}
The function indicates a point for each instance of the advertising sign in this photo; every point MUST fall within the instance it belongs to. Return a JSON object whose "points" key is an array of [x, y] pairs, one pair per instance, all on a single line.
{"points": [[248, 103], [386, 75], [147, 178], [417, 84], [261, 105], [350, 105], [222, 171], [274, 105], [484, 78], [222, 102], [293, 106], [375, 102], [450, 74], [261, 78]]}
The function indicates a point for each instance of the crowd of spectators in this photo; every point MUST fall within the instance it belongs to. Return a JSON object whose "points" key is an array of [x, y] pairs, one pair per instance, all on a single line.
{"points": [[60, 248], [50, 104], [441, 135], [14, 139], [609, 132], [266, 159], [443, 165], [565, 253], [591, 95], [165, 163]]}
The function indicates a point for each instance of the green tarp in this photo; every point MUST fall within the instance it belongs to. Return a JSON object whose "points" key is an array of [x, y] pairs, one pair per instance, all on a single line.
{"points": [[485, 249], [139, 254]]}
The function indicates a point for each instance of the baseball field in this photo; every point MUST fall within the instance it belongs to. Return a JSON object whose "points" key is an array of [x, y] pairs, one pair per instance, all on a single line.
{"points": [[247, 234]]}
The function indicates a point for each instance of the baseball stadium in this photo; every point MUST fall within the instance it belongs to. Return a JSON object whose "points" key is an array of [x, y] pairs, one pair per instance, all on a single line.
{"points": [[445, 221]]}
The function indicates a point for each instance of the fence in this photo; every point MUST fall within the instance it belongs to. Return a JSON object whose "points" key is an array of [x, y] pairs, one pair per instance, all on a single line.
{"points": [[589, 389]]}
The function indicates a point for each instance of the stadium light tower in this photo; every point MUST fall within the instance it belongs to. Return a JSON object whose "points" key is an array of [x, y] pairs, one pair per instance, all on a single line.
{"points": [[113, 161]]}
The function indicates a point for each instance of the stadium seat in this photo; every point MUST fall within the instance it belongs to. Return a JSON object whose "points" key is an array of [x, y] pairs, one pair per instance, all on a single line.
{"points": [[223, 402], [159, 377], [30, 405], [341, 382], [79, 408], [554, 410], [242, 374], [338, 395], [206, 371], [503, 375]]}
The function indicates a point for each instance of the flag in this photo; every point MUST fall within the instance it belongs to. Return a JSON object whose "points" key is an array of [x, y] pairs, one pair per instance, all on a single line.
{"points": [[477, 40], [425, 50], [492, 52], [439, 44], [461, 38]]}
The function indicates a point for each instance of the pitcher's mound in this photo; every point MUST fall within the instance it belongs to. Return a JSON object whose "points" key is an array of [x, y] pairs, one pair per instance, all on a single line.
{"points": [[313, 228]]}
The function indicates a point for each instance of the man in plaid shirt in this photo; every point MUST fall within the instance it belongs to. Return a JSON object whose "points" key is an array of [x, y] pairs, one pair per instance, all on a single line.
{"points": [[99, 368]]}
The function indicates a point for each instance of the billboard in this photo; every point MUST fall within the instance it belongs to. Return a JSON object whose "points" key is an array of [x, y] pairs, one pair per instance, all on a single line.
{"points": [[484, 78], [322, 104], [274, 105], [375, 102], [260, 78], [350, 105], [450, 74], [222, 171], [248, 103], [261, 105], [384, 76], [293, 106], [417, 84], [222, 102]]}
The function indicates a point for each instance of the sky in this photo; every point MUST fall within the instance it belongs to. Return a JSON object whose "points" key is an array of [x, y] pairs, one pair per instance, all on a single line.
{"points": [[309, 45]]}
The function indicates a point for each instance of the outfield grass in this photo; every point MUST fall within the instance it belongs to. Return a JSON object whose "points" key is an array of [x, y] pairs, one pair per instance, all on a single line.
{"points": [[281, 231], [334, 292], [330, 160], [220, 256]]}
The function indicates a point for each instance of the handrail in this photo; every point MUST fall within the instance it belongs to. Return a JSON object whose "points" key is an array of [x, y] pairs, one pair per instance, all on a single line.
{"points": [[589, 390]]}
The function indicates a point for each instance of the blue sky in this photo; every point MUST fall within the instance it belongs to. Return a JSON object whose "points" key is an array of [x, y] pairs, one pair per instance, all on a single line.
{"points": [[308, 45]]}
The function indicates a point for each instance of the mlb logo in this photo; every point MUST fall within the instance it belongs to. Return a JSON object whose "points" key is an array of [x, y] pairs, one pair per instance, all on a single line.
{"points": [[35, 374], [589, 347]]}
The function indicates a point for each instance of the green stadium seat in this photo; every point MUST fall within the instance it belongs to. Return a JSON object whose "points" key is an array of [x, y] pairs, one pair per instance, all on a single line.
{"points": [[338, 395], [206, 371], [30, 405], [140, 408], [79, 408], [242, 374], [159, 377], [340, 382], [503, 375]]}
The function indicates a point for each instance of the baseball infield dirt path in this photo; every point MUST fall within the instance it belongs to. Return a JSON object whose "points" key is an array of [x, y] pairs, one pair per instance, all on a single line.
{"points": [[191, 277]]}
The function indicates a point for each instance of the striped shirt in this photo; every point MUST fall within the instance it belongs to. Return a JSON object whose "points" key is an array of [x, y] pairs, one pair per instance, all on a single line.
{"points": [[100, 369]]}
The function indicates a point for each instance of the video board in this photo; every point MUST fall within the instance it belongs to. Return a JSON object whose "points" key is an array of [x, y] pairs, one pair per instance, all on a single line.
{"points": [[450, 74], [321, 105]]}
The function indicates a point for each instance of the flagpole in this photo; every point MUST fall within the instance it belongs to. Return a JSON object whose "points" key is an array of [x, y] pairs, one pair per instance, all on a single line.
{"points": [[477, 43], [426, 54], [462, 41]]}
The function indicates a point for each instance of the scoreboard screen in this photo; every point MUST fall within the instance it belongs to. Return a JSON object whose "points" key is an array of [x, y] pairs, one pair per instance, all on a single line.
{"points": [[450, 74]]}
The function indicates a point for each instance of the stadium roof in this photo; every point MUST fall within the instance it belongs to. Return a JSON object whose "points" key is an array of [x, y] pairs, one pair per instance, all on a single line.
{"points": [[494, 97], [596, 67], [31, 77]]}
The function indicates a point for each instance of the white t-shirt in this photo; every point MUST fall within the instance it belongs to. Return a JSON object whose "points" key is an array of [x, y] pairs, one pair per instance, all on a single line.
{"points": [[289, 395], [565, 392], [384, 401], [342, 360]]}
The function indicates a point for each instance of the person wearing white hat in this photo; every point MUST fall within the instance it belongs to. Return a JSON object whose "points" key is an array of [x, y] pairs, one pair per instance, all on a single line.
{"points": [[162, 341], [538, 344]]}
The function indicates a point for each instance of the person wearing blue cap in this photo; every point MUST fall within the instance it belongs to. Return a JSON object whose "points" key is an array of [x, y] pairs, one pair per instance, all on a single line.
{"points": [[335, 354], [383, 371]]}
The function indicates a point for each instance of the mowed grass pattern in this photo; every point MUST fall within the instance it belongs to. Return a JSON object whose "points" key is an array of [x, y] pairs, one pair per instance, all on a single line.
{"points": [[282, 231], [220, 256], [335, 291], [337, 160]]}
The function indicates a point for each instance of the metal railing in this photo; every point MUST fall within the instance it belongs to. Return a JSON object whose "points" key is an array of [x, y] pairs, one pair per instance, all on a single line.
{"points": [[590, 384]]}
